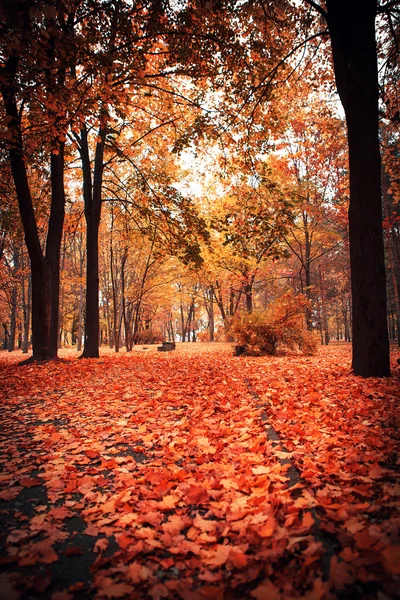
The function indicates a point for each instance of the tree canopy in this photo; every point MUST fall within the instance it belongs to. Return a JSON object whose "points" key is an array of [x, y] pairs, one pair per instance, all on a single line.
{"points": [[213, 132]]}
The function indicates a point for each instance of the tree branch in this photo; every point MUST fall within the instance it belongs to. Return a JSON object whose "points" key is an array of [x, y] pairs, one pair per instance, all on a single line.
{"points": [[386, 7], [318, 8]]}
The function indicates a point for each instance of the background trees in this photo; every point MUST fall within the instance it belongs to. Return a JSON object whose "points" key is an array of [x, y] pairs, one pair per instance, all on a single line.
{"points": [[208, 170]]}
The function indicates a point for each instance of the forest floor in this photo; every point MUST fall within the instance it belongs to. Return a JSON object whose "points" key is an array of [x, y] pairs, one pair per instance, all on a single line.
{"points": [[197, 475]]}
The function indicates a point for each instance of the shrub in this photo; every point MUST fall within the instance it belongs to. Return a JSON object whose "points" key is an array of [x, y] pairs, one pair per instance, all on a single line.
{"points": [[147, 336], [253, 332], [281, 325]]}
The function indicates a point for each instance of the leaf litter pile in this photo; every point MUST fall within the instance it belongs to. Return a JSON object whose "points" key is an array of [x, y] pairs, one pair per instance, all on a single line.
{"points": [[198, 475]]}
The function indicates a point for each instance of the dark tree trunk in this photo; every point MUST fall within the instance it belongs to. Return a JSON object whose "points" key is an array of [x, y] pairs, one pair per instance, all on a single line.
{"points": [[92, 317], [248, 291], [14, 299], [352, 31], [392, 255], [44, 269], [13, 319], [26, 306], [6, 335], [53, 244], [114, 289], [219, 300], [307, 271], [92, 200], [210, 311], [127, 331], [324, 316]]}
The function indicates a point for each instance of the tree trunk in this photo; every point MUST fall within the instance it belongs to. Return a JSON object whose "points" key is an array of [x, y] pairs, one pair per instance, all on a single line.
{"points": [[127, 328], [392, 262], [45, 270], [307, 271], [248, 291], [352, 31], [14, 299], [114, 289], [92, 200], [80, 318], [211, 314], [92, 320], [324, 316], [183, 330], [13, 319], [6, 336], [219, 300], [26, 307]]}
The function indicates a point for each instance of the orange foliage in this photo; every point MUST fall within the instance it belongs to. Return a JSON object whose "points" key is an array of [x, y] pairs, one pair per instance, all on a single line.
{"points": [[281, 325]]}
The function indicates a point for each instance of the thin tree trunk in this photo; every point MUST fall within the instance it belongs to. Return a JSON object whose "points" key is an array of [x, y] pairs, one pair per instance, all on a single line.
{"points": [[80, 318], [114, 290], [248, 291], [92, 200], [324, 317], [394, 268], [219, 300], [13, 319], [14, 299], [210, 311], [26, 303]]}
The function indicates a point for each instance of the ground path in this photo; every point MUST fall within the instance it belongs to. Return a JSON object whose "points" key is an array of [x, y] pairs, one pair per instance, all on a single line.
{"points": [[156, 475]]}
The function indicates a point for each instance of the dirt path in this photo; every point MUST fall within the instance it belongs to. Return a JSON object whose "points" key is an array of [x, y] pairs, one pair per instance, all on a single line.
{"points": [[156, 475]]}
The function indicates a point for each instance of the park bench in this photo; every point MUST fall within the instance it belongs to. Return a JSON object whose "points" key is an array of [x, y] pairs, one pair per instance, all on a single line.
{"points": [[166, 347], [239, 350]]}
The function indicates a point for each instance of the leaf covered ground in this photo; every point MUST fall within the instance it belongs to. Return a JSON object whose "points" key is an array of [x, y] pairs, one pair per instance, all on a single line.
{"points": [[198, 475]]}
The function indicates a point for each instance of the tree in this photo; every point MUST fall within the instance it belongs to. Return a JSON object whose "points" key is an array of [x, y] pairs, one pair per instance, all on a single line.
{"points": [[34, 51], [254, 217], [313, 159], [351, 26]]}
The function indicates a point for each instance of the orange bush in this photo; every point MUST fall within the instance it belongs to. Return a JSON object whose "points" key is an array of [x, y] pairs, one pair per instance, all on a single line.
{"points": [[281, 325]]}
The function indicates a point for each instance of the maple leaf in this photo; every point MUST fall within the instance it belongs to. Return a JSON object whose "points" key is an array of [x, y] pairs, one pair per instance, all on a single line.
{"points": [[211, 591], [9, 494], [174, 525], [217, 556], [391, 556], [138, 572], [266, 591], [268, 528], [196, 494], [101, 545], [29, 482], [261, 470], [169, 501], [238, 558], [158, 591], [340, 574], [124, 540], [92, 453], [116, 590]]}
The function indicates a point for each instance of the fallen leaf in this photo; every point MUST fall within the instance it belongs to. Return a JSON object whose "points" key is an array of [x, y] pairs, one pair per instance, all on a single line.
{"points": [[266, 591]]}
